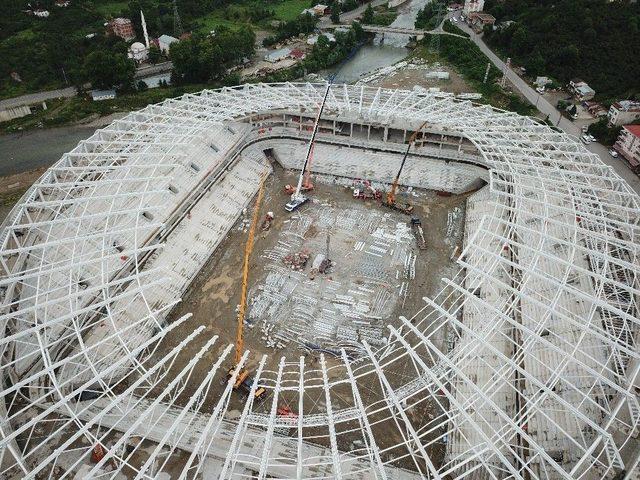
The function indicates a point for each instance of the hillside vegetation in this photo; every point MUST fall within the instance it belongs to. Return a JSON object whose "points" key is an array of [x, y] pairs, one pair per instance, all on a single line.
{"points": [[595, 40]]}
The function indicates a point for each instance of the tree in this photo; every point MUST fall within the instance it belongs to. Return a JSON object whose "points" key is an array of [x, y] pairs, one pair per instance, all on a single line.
{"points": [[335, 13], [154, 54], [142, 86], [106, 69], [358, 31], [204, 58], [367, 16]]}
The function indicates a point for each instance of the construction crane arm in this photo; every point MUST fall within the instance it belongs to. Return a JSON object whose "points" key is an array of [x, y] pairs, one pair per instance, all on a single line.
{"points": [[391, 196], [305, 167], [245, 274]]}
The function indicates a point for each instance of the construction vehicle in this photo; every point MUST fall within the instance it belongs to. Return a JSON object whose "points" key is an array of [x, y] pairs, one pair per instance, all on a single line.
{"points": [[266, 223], [304, 183], [326, 263], [363, 190], [390, 200], [416, 226], [246, 385], [243, 373]]}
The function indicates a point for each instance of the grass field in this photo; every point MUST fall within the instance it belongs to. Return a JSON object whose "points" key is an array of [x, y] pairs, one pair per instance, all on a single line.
{"points": [[290, 9], [215, 20], [109, 9]]}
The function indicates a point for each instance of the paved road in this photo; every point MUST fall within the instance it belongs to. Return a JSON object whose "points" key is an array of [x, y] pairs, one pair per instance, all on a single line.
{"points": [[547, 108], [150, 70], [33, 98]]}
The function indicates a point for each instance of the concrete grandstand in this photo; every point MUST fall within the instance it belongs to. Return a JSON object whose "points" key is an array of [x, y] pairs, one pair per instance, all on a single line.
{"points": [[525, 364]]}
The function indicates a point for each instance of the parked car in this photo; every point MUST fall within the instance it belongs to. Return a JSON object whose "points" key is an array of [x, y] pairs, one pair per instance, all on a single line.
{"points": [[585, 128], [613, 153], [540, 90], [585, 139]]}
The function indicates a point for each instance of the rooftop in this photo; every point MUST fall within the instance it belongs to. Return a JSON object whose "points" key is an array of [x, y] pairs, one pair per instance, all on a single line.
{"points": [[633, 129]]}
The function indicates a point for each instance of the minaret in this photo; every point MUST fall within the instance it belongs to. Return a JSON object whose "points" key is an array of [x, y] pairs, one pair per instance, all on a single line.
{"points": [[177, 23], [144, 29]]}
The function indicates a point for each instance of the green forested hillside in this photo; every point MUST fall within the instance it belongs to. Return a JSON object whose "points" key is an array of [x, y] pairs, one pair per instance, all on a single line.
{"points": [[595, 40]]}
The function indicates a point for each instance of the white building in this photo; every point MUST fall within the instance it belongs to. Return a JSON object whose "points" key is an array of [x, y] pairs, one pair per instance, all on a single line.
{"points": [[314, 39], [473, 6], [581, 90], [277, 55], [164, 43], [99, 95], [138, 52], [624, 111], [628, 145]]}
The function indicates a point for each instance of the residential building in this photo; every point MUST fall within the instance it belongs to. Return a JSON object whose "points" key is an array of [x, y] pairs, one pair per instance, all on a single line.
{"points": [[478, 20], [297, 54], [624, 111], [581, 90], [41, 13], [542, 81], [62, 3], [312, 40], [595, 109], [277, 55], [164, 43], [473, 6], [123, 28], [99, 95], [321, 10], [628, 145]]}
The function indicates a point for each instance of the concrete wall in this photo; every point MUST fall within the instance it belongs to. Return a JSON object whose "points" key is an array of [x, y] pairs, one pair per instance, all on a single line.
{"points": [[14, 112], [428, 173]]}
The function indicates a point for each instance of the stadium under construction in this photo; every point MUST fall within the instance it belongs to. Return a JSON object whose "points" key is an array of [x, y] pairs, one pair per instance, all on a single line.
{"points": [[216, 287]]}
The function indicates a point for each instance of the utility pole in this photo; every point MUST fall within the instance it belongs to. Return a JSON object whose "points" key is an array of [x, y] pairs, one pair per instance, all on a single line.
{"points": [[177, 23]]}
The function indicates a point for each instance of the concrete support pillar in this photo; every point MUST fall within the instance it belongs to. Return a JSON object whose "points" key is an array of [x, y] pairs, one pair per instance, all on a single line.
{"points": [[385, 135], [368, 132]]}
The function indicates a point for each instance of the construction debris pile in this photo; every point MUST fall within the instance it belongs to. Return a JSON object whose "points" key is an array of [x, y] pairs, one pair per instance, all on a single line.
{"points": [[296, 261], [372, 265]]}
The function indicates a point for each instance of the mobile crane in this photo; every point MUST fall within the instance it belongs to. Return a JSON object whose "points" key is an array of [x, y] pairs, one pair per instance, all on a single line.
{"points": [[304, 183], [390, 200], [243, 381]]}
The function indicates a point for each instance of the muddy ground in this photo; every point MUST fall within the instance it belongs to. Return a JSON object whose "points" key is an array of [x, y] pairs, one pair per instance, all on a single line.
{"points": [[214, 295]]}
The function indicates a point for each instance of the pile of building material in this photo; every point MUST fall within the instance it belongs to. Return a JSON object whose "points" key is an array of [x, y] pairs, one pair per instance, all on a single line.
{"points": [[297, 260], [373, 265]]}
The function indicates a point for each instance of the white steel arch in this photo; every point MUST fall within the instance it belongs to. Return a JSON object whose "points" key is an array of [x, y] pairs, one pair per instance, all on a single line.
{"points": [[538, 378]]}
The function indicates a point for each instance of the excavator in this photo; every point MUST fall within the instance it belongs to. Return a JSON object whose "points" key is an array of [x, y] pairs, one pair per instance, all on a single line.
{"points": [[390, 200], [304, 183], [243, 380]]}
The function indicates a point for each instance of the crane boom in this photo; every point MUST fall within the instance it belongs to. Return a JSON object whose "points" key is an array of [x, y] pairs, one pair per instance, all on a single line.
{"points": [[245, 273], [391, 196], [305, 166]]}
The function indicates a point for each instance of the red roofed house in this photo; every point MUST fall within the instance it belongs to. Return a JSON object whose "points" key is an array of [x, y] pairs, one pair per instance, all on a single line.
{"points": [[628, 145], [123, 28], [297, 54]]}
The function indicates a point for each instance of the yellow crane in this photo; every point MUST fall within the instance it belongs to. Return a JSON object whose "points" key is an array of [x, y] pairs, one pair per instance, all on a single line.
{"points": [[391, 194], [244, 373]]}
